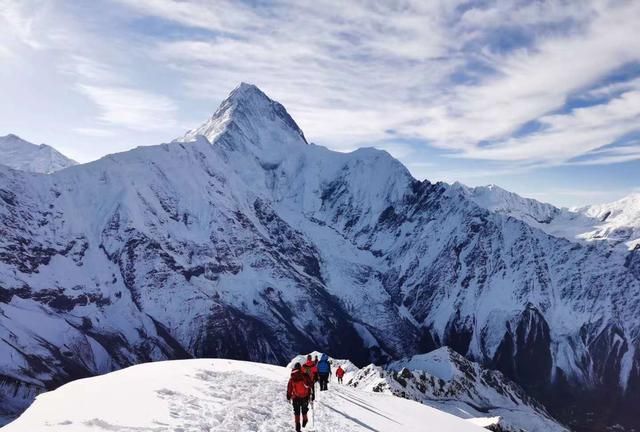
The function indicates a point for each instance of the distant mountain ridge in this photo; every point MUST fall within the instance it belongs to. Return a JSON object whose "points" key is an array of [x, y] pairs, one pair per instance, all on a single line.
{"points": [[241, 240], [22, 155], [613, 224]]}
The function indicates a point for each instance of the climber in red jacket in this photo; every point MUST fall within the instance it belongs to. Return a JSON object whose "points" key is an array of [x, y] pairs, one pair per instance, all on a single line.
{"points": [[340, 374], [311, 369], [299, 391]]}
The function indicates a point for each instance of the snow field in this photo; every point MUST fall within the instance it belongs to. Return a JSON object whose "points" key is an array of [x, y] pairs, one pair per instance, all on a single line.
{"points": [[218, 395]]}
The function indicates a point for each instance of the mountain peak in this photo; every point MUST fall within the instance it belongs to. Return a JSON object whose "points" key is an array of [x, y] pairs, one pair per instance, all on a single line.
{"points": [[245, 90], [251, 115], [20, 154], [12, 137]]}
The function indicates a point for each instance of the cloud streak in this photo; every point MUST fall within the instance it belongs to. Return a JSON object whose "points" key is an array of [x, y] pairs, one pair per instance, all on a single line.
{"points": [[131, 108]]}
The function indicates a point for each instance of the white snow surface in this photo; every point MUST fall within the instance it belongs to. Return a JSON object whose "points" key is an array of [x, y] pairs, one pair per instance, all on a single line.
{"points": [[447, 381], [437, 363], [22, 155], [218, 395], [618, 221]]}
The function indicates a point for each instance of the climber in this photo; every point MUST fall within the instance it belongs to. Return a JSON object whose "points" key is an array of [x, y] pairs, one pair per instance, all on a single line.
{"points": [[340, 374], [324, 371], [310, 369], [299, 391]]}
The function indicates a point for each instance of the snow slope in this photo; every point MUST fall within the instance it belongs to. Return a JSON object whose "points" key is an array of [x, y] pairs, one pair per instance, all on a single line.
{"points": [[217, 395], [447, 381], [499, 200], [22, 155]]}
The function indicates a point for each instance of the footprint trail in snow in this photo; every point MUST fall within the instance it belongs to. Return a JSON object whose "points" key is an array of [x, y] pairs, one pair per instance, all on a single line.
{"points": [[220, 396]]}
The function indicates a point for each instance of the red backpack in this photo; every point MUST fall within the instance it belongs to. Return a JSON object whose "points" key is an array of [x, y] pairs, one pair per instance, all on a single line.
{"points": [[300, 389], [311, 370]]}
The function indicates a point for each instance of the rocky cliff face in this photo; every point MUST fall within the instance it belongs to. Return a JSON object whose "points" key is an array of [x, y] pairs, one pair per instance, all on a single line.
{"points": [[242, 240]]}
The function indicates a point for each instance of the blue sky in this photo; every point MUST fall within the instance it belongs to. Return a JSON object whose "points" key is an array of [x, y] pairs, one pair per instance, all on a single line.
{"points": [[539, 97]]}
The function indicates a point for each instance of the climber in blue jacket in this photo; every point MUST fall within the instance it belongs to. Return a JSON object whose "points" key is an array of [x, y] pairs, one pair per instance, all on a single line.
{"points": [[324, 372]]}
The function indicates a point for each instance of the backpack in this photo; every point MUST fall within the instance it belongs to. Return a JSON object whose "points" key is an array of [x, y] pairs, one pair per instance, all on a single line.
{"points": [[300, 389], [308, 369], [323, 366]]}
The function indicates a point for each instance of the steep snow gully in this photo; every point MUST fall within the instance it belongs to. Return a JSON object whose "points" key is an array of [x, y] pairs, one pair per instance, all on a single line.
{"points": [[242, 240]]}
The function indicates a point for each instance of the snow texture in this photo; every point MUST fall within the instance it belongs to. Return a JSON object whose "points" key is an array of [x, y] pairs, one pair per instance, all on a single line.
{"points": [[611, 224], [447, 381], [22, 155], [218, 395]]}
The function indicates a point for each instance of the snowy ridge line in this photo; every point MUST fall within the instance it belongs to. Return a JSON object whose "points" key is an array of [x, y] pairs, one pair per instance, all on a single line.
{"points": [[445, 380], [615, 224], [22, 155], [216, 395]]}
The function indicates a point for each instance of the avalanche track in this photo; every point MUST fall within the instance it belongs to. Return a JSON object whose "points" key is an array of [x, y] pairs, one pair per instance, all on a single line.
{"points": [[217, 395]]}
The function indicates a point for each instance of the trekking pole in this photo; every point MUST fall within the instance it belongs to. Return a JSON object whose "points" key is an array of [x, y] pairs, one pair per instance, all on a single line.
{"points": [[313, 415]]}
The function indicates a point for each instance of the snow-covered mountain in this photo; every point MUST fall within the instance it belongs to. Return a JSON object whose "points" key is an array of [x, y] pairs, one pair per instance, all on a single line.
{"points": [[445, 380], [218, 395], [499, 200], [617, 222], [241, 240], [614, 224], [22, 155]]}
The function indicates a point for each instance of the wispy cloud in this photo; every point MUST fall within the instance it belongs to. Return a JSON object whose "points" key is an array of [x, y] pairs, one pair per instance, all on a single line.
{"points": [[19, 23], [131, 108], [94, 64], [94, 132], [530, 83], [610, 155], [223, 16], [566, 136]]}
